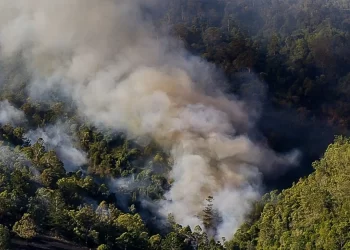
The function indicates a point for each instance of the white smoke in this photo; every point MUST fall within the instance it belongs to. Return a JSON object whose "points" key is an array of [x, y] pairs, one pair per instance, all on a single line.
{"points": [[10, 115], [11, 158], [56, 138], [123, 75]]}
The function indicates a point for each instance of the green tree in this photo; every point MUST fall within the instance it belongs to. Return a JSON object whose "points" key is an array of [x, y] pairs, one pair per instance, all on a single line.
{"points": [[5, 240], [155, 242], [84, 223], [212, 36], [174, 241], [313, 214], [131, 223], [274, 45], [25, 227], [103, 247]]}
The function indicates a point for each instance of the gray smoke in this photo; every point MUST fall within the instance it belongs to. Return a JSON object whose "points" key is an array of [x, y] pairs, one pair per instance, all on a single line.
{"points": [[10, 115], [11, 158], [57, 138], [122, 75]]}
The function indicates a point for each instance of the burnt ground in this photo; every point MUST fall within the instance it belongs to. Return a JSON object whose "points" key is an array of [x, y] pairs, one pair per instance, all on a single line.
{"points": [[44, 243]]}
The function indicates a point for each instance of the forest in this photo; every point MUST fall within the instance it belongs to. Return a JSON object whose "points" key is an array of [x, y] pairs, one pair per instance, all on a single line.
{"points": [[91, 157]]}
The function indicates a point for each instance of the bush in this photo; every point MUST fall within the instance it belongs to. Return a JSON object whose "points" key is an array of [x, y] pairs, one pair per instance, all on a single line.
{"points": [[4, 238]]}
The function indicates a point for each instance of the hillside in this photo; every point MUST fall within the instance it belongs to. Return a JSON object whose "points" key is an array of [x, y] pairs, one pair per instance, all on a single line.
{"points": [[169, 124], [313, 214]]}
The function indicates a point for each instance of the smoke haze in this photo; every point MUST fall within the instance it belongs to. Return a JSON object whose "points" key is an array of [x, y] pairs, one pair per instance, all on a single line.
{"points": [[56, 138], [10, 115], [9, 157], [123, 75]]}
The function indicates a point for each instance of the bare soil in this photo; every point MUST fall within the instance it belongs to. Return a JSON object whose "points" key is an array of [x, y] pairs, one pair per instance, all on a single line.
{"points": [[45, 243]]}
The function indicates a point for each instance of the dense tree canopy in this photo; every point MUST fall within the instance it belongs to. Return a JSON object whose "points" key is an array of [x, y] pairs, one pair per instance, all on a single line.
{"points": [[299, 48], [313, 214]]}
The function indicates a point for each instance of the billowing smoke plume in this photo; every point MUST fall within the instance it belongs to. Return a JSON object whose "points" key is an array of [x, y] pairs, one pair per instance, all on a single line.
{"points": [[123, 75], [9, 114], [56, 138]]}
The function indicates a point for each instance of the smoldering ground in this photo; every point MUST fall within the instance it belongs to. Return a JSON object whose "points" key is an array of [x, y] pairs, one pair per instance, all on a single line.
{"points": [[123, 75]]}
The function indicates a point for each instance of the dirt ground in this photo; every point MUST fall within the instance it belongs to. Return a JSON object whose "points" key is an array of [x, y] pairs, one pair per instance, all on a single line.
{"points": [[44, 243]]}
